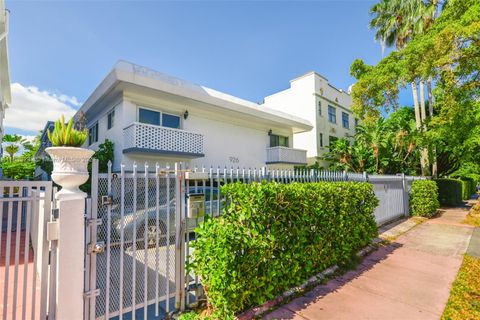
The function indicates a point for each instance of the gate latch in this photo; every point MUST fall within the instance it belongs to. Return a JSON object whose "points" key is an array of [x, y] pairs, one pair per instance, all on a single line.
{"points": [[94, 222], [107, 200], [91, 294], [98, 247]]}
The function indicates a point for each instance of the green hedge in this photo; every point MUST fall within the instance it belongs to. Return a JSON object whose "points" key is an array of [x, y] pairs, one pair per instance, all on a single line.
{"points": [[424, 198], [470, 187], [466, 188], [449, 191], [273, 236]]}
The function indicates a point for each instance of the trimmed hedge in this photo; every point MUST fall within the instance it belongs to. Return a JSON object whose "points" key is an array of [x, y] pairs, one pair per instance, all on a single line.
{"points": [[465, 189], [424, 198], [469, 187], [273, 236], [449, 191]]}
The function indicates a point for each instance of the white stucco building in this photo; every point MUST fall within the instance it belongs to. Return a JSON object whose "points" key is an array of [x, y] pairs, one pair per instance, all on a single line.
{"points": [[5, 93], [312, 97], [154, 117]]}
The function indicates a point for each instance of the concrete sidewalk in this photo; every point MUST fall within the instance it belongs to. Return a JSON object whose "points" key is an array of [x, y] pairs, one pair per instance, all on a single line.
{"points": [[408, 279]]}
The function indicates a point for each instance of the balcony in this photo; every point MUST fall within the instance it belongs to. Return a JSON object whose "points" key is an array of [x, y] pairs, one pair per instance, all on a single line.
{"points": [[286, 155], [147, 138]]}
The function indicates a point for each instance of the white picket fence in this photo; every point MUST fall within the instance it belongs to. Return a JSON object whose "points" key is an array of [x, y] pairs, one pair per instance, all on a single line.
{"points": [[143, 226]]}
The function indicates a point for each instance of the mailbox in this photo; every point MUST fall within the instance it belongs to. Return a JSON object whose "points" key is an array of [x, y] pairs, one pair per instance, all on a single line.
{"points": [[196, 205]]}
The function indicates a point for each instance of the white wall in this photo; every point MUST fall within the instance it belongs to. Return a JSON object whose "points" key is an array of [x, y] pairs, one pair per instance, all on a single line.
{"points": [[302, 100], [298, 101], [234, 143]]}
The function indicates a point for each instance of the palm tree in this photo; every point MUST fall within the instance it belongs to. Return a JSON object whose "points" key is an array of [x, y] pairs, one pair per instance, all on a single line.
{"points": [[13, 138], [12, 150], [396, 22]]}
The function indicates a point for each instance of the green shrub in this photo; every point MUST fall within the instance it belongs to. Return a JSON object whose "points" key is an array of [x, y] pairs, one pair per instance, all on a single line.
{"points": [[466, 188], [273, 236], [424, 198], [449, 191], [469, 187]]}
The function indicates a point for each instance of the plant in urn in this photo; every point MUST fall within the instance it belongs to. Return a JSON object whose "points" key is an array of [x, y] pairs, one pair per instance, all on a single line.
{"points": [[69, 160]]}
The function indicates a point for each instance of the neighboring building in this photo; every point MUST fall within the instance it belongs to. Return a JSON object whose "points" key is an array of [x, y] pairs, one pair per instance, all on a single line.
{"points": [[311, 97], [40, 173], [150, 116], [5, 93], [44, 141]]}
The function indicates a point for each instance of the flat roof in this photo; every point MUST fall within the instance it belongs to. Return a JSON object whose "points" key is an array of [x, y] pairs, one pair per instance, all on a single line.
{"points": [[130, 73]]}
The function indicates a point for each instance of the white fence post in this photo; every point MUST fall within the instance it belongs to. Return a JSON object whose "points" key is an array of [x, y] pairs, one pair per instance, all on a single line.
{"points": [[70, 258], [406, 208]]}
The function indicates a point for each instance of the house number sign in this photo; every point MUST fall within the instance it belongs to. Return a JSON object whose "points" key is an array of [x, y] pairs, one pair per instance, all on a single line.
{"points": [[234, 159]]}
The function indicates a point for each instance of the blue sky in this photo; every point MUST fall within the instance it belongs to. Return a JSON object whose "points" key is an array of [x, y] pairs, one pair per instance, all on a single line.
{"points": [[60, 50]]}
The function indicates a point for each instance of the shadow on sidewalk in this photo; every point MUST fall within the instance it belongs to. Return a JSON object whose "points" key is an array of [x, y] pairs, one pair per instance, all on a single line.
{"points": [[287, 311]]}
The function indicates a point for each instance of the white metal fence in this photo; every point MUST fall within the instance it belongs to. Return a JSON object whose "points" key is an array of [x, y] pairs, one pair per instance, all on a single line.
{"points": [[139, 233], [24, 250]]}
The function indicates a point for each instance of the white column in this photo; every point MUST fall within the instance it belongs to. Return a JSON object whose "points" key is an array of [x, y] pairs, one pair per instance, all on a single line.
{"points": [[71, 252]]}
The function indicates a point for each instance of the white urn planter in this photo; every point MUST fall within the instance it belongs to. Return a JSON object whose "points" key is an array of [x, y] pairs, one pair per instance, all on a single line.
{"points": [[70, 170]]}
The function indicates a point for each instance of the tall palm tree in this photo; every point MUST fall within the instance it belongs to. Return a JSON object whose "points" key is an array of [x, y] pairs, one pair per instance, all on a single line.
{"points": [[13, 138], [396, 22], [12, 150]]}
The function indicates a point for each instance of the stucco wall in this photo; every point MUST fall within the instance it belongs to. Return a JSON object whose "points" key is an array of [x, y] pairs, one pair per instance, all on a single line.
{"points": [[237, 143], [302, 99]]}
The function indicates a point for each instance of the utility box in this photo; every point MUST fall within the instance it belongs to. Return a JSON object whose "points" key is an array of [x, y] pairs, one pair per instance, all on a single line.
{"points": [[196, 205]]}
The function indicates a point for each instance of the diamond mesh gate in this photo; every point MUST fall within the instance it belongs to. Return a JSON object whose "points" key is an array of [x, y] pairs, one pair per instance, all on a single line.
{"points": [[132, 263]]}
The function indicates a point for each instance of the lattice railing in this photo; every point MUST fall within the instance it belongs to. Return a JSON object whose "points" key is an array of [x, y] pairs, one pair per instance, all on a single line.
{"points": [[286, 155], [156, 138]]}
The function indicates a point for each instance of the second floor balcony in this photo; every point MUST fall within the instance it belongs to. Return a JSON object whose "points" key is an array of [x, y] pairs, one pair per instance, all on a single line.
{"points": [[147, 138], [279, 155]]}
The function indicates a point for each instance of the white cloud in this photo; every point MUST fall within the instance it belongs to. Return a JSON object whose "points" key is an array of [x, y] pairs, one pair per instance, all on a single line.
{"points": [[31, 107]]}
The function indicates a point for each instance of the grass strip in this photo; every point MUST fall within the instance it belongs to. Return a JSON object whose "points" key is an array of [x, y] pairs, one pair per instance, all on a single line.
{"points": [[464, 300]]}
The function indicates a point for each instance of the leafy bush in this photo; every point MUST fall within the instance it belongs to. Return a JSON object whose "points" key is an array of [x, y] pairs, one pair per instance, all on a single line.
{"points": [[466, 188], [273, 236], [469, 186], [104, 154], [424, 198], [449, 191], [18, 170]]}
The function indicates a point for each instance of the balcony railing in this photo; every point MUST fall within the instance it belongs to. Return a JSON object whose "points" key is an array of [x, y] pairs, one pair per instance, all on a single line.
{"points": [[286, 155], [147, 138]]}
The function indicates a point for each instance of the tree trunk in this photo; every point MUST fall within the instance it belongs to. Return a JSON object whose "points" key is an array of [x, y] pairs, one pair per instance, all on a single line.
{"points": [[418, 120], [430, 97], [422, 104], [424, 151], [430, 111]]}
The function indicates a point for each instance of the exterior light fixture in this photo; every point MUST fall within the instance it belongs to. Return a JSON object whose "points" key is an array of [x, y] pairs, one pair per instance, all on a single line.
{"points": [[185, 115], [270, 132]]}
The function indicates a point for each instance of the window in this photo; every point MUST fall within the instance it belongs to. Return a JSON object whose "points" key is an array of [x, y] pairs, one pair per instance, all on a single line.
{"points": [[278, 141], [321, 139], [331, 141], [158, 118], [170, 121], [110, 119], [345, 120], [332, 116], [319, 108], [149, 116], [93, 134]]}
